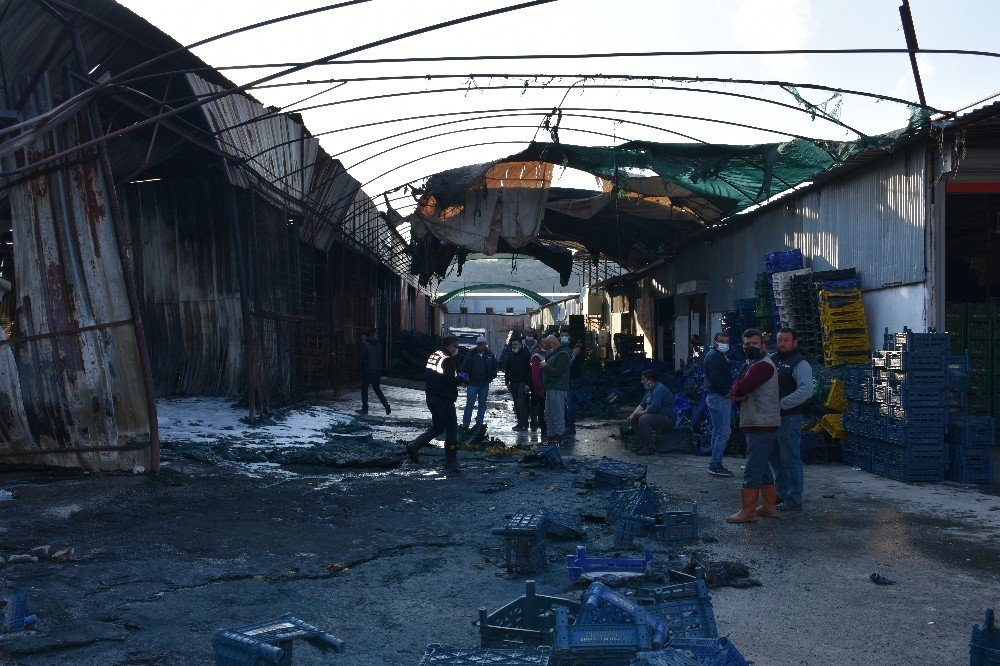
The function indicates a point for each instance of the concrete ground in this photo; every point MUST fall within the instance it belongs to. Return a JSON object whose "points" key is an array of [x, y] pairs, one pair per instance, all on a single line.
{"points": [[392, 556]]}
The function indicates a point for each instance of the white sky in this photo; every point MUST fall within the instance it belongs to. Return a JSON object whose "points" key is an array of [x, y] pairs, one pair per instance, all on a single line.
{"points": [[587, 26]]}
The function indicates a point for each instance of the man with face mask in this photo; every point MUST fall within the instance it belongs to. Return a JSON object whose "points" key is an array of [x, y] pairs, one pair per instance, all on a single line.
{"points": [[442, 384], [717, 384], [756, 392], [657, 410], [517, 376], [795, 387]]}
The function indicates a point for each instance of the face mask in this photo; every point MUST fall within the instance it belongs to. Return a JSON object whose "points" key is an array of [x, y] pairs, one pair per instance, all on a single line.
{"points": [[722, 347], [515, 348], [753, 353], [564, 339]]}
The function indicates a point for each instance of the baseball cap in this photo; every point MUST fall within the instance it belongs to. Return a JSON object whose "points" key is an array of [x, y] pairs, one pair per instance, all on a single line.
{"points": [[480, 340]]}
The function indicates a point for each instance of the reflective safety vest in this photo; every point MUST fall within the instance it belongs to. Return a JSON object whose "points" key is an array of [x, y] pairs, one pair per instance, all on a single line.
{"points": [[439, 375]]}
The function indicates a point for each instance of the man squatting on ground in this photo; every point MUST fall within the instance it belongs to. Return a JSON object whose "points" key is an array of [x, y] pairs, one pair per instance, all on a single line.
{"points": [[555, 381], [795, 387], [657, 410], [517, 376], [371, 370], [756, 392], [442, 384], [480, 365], [718, 381]]}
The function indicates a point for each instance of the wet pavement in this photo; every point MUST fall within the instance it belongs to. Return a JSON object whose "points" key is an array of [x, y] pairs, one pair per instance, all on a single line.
{"points": [[390, 556]]}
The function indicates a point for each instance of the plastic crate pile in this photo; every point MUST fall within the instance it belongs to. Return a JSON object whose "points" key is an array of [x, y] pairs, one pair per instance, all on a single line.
{"points": [[636, 512], [842, 318], [984, 646], [975, 329], [764, 296], [896, 417], [970, 442], [784, 296], [629, 346], [805, 309], [778, 263]]}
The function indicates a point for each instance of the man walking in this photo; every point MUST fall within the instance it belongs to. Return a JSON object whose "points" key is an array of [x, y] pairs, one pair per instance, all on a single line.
{"points": [[718, 381], [555, 381], [756, 391], [441, 389], [795, 387], [480, 365], [371, 370], [517, 376], [657, 410]]}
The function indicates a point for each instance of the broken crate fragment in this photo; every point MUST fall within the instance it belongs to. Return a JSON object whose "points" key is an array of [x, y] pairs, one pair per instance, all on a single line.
{"points": [[547, 457], [269, 642], [701, 651], [445, 655], [879, 579], [527, 620], [562, 525], [603, 606], [13, 610]]}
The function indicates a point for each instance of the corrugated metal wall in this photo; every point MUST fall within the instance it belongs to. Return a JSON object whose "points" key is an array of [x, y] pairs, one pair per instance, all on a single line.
{"points": [[874, 221]]}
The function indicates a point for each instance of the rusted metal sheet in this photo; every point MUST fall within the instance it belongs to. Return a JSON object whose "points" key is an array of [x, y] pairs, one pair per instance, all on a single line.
{"points": [[76, 390]]}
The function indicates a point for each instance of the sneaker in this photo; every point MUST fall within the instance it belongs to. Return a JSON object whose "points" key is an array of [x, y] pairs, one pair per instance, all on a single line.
{"points": [[719, 470]]}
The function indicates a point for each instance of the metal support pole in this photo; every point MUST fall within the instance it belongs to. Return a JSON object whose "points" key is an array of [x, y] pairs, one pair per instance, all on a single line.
{"points": [[911, 45]]}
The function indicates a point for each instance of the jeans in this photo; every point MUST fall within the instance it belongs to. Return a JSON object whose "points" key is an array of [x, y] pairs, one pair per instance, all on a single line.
{"points": [[555, 412], [646, 427], [720, 411], [520, 396], [443, 419], [373, 381], [474, 394], [787, 458], [757, 471]]}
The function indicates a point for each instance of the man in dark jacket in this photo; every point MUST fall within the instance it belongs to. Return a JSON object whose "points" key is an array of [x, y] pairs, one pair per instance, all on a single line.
{"points": [[442, 384], [480, 365], [795, 387], [517, 376], [555, 381], [371, 370], [718, 380]]}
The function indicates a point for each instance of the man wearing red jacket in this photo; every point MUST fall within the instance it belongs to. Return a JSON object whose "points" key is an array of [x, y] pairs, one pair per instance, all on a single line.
{"points": [[756, 392]]}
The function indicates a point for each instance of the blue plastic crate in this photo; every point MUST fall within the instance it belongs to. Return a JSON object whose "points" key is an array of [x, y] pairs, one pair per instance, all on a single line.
{"points": [[984, 646], [908, 341], [627, 529], [602, 605], [970, 430], [644, 501], [445, 655], [688, 618], [675, 527], [782, 261], [562, 525], [909, 361], [711, 652], [269, 642], [611, 474], [13, 611], [913, 435], [933, 416], [524, 540], [528, 620], [970, 465], [598, 644], [910, 396], [580, 564]]}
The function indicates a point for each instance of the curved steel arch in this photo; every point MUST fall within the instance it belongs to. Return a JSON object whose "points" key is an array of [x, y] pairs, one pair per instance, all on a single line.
{"points": [[452, 295]]}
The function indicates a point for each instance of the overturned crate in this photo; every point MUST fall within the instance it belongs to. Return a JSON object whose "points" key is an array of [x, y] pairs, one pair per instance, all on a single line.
{"points": [[580, 564], [598, 644], [602, 605], [528, 620], [669, 527], [611, 474], [563, 525], [269, 642]]}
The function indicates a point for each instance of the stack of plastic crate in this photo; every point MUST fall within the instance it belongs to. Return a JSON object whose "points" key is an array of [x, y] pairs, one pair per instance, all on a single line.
{"points": [[784, 296], [764, 296], [778, 262], [805, 309], [845, 326], [910, 382], [861, 419], [970, 439]]}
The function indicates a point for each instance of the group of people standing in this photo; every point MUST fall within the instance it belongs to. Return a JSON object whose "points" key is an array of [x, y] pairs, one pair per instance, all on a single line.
{"points": [[770, 392]]}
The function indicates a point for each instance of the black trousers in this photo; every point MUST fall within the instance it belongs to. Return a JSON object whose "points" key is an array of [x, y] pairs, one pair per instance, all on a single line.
{"points": [[373, 381], [521, 406], [443, 419]]}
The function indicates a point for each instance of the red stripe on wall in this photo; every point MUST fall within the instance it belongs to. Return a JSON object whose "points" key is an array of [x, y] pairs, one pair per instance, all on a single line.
{"points": [[972, 188]]}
